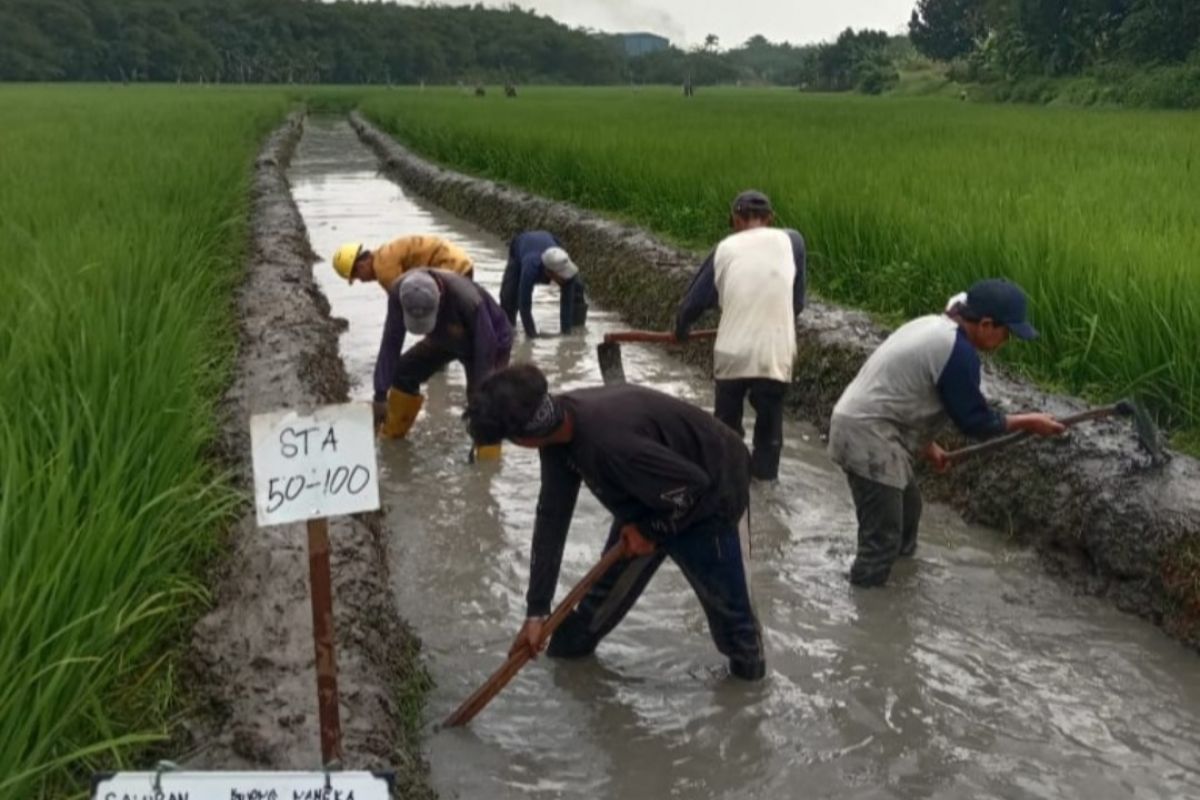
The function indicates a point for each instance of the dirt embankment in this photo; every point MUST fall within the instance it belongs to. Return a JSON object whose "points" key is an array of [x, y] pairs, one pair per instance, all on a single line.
{"points": [[1092, 503], [253, 653]]}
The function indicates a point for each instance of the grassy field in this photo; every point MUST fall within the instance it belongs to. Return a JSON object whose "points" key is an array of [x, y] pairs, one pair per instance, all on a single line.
{"points": [[122, 217], [904, 201], [122, 224]]}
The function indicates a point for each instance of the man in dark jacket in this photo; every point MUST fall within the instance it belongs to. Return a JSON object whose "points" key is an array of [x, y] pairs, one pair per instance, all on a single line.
{"points": [[537, 257], [676, 481], [460, 322]]}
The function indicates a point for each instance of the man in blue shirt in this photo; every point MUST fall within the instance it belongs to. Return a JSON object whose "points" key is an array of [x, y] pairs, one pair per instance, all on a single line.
{"points": [[538, 257], [927, 372]]}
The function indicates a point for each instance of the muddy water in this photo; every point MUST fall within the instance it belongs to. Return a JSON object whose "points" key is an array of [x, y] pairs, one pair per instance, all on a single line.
{"points": [[973, 675]]}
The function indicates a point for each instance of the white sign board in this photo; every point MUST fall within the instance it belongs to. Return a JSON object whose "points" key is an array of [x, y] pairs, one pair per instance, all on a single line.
{"points": [[241, 786], [315, 464]]}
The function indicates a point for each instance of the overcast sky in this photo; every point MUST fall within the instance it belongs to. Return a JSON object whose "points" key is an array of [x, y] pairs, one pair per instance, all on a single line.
{"points": [[686, 22]]}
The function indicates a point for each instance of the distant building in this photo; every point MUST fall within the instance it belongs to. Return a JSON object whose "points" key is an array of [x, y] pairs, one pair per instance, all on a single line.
{"points": [[639, 44]]}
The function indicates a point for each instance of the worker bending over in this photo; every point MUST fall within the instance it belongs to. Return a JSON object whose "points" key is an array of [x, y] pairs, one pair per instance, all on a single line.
{"points": [[675, 480], [537, 257], [926, 372], [460, 322]]}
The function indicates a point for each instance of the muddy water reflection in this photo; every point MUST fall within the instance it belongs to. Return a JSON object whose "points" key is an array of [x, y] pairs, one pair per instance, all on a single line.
{"points": [[973, 675]]}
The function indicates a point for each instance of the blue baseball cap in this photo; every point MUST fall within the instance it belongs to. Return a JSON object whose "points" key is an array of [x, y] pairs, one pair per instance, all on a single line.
{"points": [[1004, 302]]}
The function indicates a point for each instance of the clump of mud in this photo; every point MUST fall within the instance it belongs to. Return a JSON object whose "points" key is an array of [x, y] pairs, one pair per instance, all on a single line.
{"points": [[1100, 512], [252, 654]]}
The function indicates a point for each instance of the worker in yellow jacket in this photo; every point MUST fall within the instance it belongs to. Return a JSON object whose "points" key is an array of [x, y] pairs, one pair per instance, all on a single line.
{"points": [[388, 262], [386, 265]]}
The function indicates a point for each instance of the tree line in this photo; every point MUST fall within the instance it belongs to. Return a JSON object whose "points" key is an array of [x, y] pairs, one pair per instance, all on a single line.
{"points": [[1016, 38], [300, 41], [857, 60], [308, 41]]}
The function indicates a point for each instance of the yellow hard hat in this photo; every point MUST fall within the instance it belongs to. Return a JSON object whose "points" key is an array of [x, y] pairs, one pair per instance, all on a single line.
{"points": [[344, 258]]}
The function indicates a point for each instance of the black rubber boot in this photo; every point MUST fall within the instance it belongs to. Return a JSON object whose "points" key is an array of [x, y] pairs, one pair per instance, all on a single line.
{"points": [[752, 670], [764, 461]]}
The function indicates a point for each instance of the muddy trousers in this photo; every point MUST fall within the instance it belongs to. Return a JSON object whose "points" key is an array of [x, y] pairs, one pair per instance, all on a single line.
{"points": [[713, 557], [421, 361], [888, 519], [766, 397]]}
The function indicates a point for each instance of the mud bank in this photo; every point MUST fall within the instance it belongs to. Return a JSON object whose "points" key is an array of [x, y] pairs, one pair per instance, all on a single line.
{"points": [[252, 655], [1092, 504]]}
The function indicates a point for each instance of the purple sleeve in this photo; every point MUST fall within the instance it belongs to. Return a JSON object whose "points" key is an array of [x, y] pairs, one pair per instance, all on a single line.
{"points": [[492, 342], [390, 346]]}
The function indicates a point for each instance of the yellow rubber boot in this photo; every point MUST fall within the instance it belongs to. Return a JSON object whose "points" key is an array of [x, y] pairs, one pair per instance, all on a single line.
{"points": [[487, 452], [402, 409]]}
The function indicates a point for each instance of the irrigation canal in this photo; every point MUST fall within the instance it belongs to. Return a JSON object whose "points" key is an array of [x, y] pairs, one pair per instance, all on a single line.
{"points": [[974, 675]]}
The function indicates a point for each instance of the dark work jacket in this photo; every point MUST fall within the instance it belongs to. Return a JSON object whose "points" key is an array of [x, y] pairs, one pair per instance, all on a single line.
{"points": [[649, 458], [469, 324], [523, 271]]}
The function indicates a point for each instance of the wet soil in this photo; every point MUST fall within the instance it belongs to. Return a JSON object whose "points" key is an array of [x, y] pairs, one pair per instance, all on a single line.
{"points": [[975, 674], [252, 654], [1097, 511]]}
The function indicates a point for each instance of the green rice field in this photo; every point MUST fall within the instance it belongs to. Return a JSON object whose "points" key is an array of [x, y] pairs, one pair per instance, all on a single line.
{"points": [[903, 201], [122, 217], [122, 222]]}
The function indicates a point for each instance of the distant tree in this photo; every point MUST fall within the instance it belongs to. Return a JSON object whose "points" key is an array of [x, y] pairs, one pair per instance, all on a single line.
{"points": [[348, 41], [857, 60], [947, 29], [26, 54], [760, 61], [1160, 31], [280, 41]]}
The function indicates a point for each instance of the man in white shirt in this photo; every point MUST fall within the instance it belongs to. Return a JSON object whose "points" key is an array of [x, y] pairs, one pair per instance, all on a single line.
{"points": [[757, 277]]}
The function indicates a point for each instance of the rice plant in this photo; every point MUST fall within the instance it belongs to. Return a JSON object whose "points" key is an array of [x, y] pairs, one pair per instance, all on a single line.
{"points": [[122, 227], [904, 201]]}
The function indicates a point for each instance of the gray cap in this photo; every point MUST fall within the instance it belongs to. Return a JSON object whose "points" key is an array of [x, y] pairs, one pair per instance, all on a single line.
{"points": [[556, 260], [751, 200], [419, 297]]}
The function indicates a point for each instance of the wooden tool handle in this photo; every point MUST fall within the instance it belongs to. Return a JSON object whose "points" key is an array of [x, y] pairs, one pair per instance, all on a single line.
{"points": [[500, 678], [656, 336], [955, 456]]}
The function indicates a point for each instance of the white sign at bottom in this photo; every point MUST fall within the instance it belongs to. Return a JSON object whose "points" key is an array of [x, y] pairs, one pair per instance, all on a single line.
{"points": [[242, 786]]}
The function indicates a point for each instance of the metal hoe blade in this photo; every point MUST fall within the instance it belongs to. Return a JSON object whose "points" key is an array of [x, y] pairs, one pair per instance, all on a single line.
{"points": [[1144, 428], [612, 370]]}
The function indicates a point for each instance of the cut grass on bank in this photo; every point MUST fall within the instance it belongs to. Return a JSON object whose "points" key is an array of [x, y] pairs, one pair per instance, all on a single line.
{"points": [[122, 225], [904, 201]]}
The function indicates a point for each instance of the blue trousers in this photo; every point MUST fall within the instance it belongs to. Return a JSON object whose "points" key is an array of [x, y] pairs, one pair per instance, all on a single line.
{"points": [[710, 555]]}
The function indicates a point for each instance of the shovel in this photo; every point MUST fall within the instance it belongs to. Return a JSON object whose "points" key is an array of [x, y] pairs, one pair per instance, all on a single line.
{"points": [[612, 371], [500, 678], [1143, 427]]}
